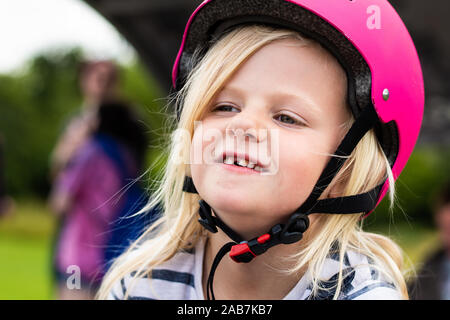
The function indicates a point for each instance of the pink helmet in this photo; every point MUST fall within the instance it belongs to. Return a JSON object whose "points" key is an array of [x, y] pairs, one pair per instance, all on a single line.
{"points": [[368, 38], [385, 83]]}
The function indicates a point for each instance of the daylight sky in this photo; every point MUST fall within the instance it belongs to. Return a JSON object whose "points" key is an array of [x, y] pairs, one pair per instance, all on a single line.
{"points": [[28, 27]]}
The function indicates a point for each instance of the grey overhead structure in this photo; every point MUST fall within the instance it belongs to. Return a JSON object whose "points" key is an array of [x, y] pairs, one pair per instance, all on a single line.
{"points": [[153, 27]]}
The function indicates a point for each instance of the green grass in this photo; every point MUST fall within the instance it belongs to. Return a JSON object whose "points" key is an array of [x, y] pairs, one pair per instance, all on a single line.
{"points": [[25, 270], [26, 236], [25, 252]]}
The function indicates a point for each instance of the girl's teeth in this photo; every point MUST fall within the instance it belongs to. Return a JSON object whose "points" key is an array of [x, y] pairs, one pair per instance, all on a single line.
{"points": [[229, 160], [242, 162]]}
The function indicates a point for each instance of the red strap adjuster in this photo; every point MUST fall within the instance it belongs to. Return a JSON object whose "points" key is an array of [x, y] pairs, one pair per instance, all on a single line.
{"points": [[241, 253], [264, 238]]}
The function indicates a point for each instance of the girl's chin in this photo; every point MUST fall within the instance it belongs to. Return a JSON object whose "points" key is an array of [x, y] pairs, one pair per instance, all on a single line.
{"points": [[234, 207]]}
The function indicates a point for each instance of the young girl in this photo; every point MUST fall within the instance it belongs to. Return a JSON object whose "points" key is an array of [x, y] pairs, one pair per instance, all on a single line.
{"points": [[294, 119]]}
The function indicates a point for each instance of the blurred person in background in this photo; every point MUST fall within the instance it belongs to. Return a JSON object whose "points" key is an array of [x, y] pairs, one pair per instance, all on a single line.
{"points": [[101, 150], [98, 83], [433, 280], [6, 202], [90, 193]]}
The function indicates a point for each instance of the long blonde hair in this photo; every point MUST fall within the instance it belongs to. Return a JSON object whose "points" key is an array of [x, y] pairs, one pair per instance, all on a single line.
{"points": [[178, 228]]}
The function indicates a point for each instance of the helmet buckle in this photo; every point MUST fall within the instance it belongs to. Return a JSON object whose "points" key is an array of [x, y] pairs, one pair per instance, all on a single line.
{"points": [[294, 228]]}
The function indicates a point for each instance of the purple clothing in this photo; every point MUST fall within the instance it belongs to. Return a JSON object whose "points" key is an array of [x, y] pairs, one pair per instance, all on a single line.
{"points": [[92, 181]]}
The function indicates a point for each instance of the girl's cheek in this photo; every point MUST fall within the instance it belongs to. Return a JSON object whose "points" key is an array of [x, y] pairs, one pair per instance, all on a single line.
{"points": [[196, 149], [299, 164], [196, 158], [202, 153], [206, 140]]}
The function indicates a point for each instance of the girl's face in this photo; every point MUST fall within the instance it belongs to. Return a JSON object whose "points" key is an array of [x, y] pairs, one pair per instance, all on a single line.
{"points": [[283, 111]]}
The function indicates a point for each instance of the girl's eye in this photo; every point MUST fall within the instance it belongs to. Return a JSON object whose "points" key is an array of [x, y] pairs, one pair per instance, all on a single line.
{"points": [[284, 118], [226, 108]]}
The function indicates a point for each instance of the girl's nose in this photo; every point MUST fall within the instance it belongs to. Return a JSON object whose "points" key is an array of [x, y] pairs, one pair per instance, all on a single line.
{"points": [[246, 125]]}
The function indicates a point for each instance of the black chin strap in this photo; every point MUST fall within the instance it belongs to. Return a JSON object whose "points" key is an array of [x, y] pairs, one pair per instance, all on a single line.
{"points": [[209, 285], [298, 223]]}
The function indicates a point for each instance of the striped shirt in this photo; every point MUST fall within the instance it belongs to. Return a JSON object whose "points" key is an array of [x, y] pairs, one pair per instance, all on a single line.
{"points": [[180, 278]]}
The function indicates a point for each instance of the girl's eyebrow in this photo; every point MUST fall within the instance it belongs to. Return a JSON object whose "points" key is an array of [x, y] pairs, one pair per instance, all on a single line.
{"points": [[304, 99], [234, 91], [279, 95]]}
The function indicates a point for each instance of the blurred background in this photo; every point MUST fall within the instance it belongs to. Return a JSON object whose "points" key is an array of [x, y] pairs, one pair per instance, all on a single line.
{"points": [[44, 46]]}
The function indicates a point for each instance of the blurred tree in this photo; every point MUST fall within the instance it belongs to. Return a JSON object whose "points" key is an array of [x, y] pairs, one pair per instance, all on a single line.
{"points": [[32, 104]]}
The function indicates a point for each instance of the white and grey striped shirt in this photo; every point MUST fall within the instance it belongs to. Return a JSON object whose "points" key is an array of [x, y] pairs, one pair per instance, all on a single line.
{"points": [[180, 278]]}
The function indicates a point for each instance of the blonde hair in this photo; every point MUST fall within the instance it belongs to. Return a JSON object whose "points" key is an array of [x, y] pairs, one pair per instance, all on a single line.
{"points": [[178, 228]]}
